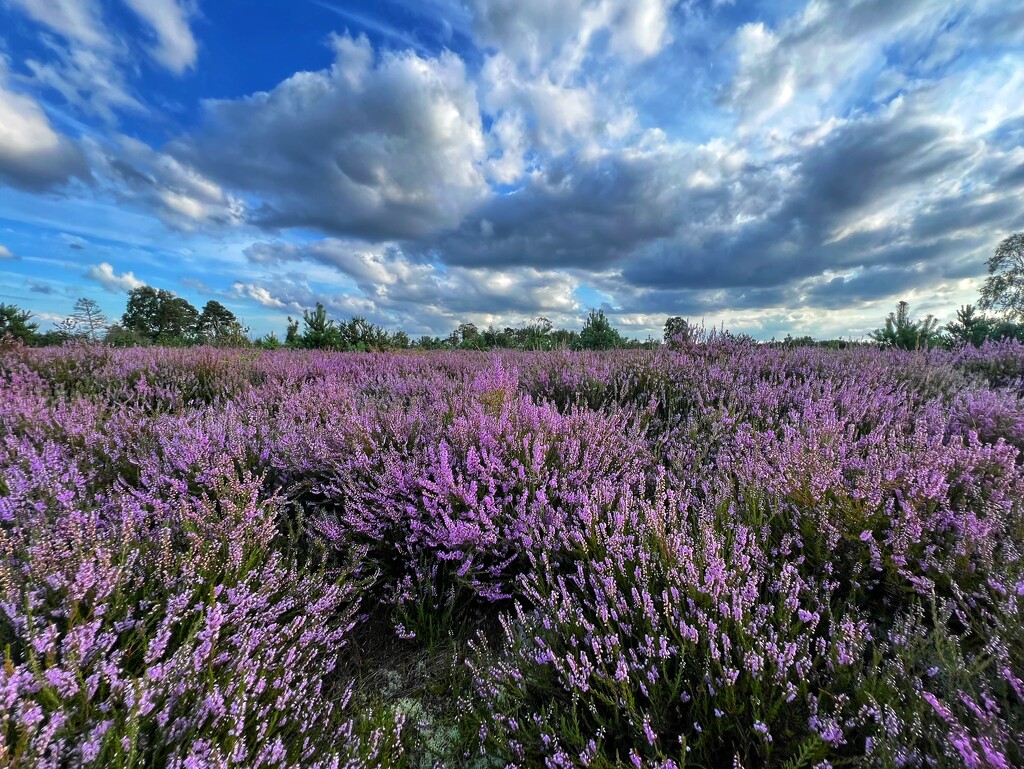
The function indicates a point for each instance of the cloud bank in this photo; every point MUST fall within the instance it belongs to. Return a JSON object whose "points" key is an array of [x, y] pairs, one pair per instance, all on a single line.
{"points": [[527, 158]]}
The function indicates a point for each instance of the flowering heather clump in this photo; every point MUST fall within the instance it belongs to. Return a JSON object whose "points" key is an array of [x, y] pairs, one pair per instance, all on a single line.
{"points": [[717, 555], [453, 511]]}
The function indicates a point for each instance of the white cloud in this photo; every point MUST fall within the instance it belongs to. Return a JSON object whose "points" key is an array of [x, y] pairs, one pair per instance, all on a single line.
{"points": [[641, 27], [552, 116], [181, 196], [5, 253], [866, 148], [81, 23], [176, 47], [89, 64], [538, 32], [795, 71], [91, 80], [33, 156], [381, 146], [259, 294], [507, 137], [87, 67], [103, 273], [77, 20], [396, 288], [548, 79]]}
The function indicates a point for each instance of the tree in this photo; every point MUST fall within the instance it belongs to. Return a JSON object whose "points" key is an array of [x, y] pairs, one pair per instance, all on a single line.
{"points": [[178, 321], [905, 334], [678, 331], [430, 343], [968, 328], [400, 340], [16, 322], [1003, 290], [564, 339], [216, 321], [598, 333], [158, 316], [494, 338], [218, 325], [320, 333], [88, 319], [119, 336], [537, 335], [63, 331], [1006, 329], [291, 336], [469, 337], [799, 341], [359, 334], [268, 342], [141, 316]]}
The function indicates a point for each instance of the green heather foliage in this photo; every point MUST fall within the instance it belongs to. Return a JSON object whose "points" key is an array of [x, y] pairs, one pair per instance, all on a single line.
{"points": [[710, 554]]}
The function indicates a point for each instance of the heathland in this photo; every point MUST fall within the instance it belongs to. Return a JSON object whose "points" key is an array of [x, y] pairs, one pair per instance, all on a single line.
{"points": [[719, 555]]}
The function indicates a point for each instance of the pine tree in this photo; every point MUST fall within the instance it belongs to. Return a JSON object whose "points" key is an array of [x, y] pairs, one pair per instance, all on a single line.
{"points": [[905, 334], [17, 323], [599, 334], [88, 319]]}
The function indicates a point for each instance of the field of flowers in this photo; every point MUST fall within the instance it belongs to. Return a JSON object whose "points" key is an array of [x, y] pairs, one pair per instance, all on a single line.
{"points": [[724, 555]]}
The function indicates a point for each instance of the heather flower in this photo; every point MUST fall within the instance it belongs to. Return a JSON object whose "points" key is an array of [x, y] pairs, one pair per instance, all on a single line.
{"points": [[718, 553]]}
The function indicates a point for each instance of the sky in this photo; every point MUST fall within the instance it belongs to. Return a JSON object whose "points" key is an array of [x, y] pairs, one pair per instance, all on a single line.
{"points": [[773, 167]]}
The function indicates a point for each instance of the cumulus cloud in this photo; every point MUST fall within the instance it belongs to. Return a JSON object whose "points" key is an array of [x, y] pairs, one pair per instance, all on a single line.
{"points": [[586, 215], [537, 31], [103, 273], [396, 287], [33, 155], [175, 47], [597, 214], [5, 253], [182, 197], [384, 145], [556, 152], [538, 113], [906, 195], [852, 200], [555, 76], [817, 59], [263, 297]]}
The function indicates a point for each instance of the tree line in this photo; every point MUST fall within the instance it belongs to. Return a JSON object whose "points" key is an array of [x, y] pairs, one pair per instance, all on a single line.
{"points": [[318, 331], [155, 316], [152, 316], [1002, 298]]}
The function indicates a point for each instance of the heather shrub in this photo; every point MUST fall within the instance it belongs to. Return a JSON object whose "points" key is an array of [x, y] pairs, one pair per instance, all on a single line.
{"points": [[450, 514], [991, 414], [997, 364], [163, 632], [928, 699], [673, 642], [721, 554]]}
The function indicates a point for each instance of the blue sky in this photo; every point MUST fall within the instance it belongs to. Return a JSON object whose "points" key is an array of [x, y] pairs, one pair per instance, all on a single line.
{"points": [[776, 167]]}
